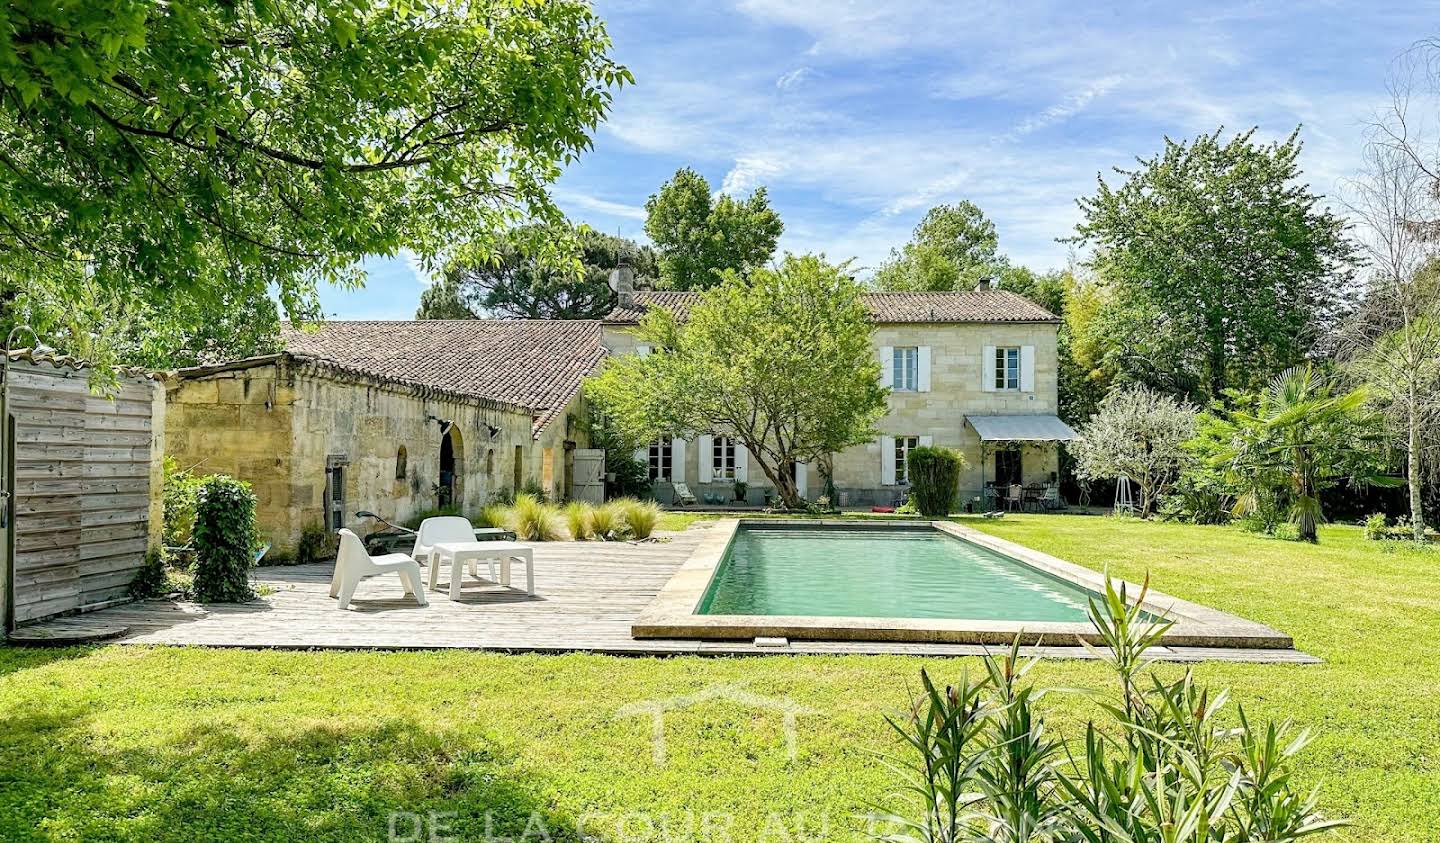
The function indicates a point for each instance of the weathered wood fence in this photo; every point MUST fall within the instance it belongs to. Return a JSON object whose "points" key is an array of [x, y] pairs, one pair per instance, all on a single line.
{"points": [[85, 467]]}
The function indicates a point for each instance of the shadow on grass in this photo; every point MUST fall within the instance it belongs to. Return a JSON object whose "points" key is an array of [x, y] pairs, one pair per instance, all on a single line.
{"points": [[214, 781]]}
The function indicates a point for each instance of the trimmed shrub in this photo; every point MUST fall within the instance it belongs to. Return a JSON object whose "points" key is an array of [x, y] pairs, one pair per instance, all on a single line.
{"points": [[934, 478], [224, 540], [534, 520], [577, 518], [608, 520], [641, 518]]}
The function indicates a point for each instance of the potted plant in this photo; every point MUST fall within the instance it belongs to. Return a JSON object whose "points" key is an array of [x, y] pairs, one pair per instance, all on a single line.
{"points": [[741, 487]]}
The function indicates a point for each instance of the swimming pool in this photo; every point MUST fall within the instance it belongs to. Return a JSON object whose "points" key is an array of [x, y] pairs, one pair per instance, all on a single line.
{"points": [[852, 580], [881, 573]]}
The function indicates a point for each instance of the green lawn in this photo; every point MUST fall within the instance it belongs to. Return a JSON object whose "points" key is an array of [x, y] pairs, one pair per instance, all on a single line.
{"points": [[122, 743]]}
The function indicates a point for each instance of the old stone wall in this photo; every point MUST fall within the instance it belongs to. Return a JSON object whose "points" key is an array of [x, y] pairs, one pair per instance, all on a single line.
{"points": [[283, 428]]}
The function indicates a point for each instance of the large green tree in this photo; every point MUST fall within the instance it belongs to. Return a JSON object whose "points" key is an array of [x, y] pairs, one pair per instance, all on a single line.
{"points": [[951, 249], [1227, 266], [524, 279], [699, 236], [198, 155], [780, 359]]}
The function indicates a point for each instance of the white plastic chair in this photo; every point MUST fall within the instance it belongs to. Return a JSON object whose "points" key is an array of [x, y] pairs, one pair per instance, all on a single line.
{"points": [[353, 564], [440, 529]]}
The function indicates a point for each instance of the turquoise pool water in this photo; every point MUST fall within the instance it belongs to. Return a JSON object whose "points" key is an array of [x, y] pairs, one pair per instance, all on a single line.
{"points": [[881, 573]]}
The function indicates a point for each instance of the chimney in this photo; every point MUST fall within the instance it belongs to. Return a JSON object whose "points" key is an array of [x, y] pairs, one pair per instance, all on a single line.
{"points": [[985, 283], [622, 281]]}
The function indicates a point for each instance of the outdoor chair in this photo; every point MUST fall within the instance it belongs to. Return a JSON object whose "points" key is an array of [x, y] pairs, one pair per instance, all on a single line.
{"points": [[444, 528], [683, 495], [1015, 498], [353, 564]]}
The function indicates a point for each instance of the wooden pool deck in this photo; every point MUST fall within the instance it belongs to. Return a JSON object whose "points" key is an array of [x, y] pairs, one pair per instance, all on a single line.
{"points": [[588, 594]]}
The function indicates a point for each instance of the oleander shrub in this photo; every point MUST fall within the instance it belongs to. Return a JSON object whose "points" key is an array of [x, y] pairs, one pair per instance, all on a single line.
{"points": [[1164, 764], [577, 518], [535, 520], [934, 479], [224, 537], [641, 518]]}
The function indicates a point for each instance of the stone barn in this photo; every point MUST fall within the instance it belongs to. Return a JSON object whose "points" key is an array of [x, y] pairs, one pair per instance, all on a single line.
{"points": [[393, 417]]}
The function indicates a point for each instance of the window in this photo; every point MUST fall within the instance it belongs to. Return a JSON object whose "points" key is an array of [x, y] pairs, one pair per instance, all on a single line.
{"points": [[1007, 367], [722, 450], [906, 369], [335, 490], [903, 446], [662, 460], [400, 463]]}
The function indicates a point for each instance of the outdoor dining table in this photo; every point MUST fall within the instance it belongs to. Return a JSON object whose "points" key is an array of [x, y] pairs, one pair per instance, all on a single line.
{"points": [[458, 553]]}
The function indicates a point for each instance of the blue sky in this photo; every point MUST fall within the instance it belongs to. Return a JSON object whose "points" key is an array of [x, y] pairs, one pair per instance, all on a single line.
{"points": [[858, 117]]}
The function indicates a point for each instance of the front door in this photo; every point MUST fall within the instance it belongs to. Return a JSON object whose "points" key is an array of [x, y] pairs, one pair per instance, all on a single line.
{"points": [[1008, 470]]}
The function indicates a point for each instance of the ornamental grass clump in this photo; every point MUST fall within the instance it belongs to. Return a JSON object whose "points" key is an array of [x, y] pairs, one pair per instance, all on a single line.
{"points": [[934, 479], [533, 520], [641, 517], [980, 763], [607, 521], [224, 536], [578, 516]]}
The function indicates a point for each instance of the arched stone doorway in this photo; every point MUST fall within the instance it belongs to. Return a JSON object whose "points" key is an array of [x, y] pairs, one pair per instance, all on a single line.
{"points": [[451, 488]]}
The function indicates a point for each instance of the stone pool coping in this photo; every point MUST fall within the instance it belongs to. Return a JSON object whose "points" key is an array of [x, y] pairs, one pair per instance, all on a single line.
{"points": [[672, 613]]}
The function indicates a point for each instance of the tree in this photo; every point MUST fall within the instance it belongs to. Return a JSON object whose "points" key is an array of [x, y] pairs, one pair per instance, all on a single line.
{"points": [[700, 236], [780, 359], [1224, 260], [1392, 342], [1139, 434], [540, 272], [1300, 435], [199, 155], [953, 245]]}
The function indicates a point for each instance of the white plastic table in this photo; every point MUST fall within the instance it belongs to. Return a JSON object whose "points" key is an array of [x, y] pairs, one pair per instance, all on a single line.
{"points": [[458, 553]]}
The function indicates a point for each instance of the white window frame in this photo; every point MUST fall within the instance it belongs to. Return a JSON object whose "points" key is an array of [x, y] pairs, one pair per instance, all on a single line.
{"points": [[661, 459], [1008, 368], [722, 458], [905, 368], [903, 446]]}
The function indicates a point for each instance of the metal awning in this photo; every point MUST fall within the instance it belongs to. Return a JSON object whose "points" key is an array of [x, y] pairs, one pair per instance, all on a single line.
{"points": [[1021, 428]]}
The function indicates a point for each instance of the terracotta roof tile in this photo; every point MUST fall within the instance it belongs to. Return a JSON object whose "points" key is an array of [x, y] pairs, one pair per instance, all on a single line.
{"points": [[885, 308], [533, 364]]}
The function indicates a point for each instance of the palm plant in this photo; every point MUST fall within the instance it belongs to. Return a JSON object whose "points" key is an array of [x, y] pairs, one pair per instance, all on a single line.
{"points": [[1302, 436]]}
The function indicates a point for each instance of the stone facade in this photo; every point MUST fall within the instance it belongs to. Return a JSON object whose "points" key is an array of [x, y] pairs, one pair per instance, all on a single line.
{"points": [[957, 371], [284, 427]]}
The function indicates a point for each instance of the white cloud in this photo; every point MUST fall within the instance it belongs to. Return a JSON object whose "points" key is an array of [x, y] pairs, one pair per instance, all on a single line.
{"points": [[598, 204], [749, 173], [793, 78]]}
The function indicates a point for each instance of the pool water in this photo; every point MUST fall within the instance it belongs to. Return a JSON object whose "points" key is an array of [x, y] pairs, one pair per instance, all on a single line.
{"points": [[882, 573]]}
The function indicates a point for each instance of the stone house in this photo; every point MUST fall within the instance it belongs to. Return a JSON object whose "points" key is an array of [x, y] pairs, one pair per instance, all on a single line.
{"points": [[974, 371], [393, 417]]}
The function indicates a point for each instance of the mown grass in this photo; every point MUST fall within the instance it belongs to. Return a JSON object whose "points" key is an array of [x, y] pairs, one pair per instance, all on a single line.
{"points": [[125, 743]]}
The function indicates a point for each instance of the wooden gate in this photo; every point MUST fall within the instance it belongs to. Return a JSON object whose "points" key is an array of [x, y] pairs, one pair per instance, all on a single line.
{"points": [[81, 508], [588, 481]]}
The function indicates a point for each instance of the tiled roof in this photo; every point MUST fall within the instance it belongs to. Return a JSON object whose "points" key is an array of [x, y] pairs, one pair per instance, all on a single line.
{"points": [[532, 364], [885, 308]]}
